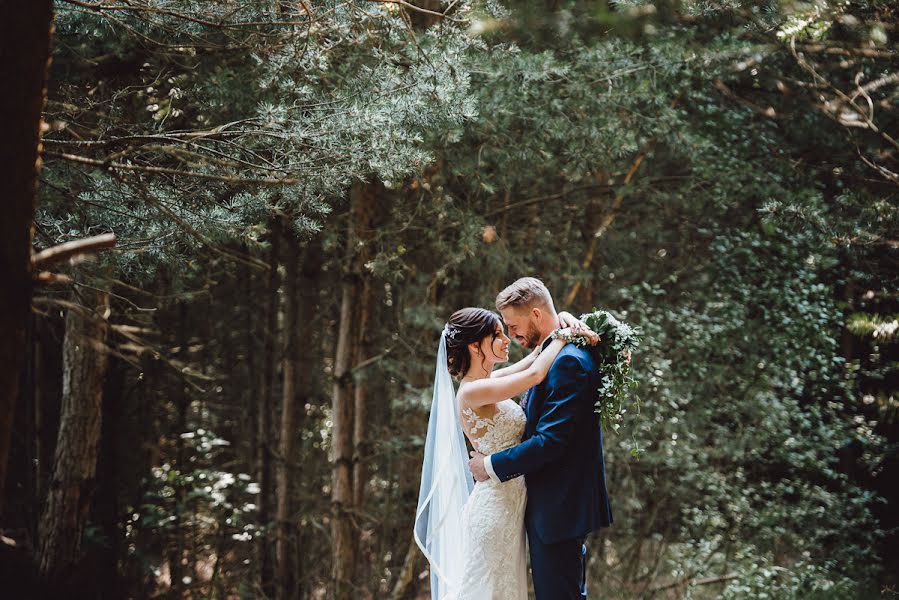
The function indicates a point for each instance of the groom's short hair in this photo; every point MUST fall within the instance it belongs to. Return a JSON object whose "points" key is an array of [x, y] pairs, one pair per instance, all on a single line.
{"points": [[525, 292]]}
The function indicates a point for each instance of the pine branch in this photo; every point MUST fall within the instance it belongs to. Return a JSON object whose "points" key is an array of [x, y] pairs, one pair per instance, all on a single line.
{"points": [[188, 228]]}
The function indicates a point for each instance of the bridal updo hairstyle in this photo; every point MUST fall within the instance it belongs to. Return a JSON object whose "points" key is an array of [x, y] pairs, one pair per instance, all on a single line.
{"points": [[466, 326]]}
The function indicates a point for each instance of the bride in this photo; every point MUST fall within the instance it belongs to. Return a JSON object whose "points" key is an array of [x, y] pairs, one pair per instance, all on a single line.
{"points": [[473, 535]]}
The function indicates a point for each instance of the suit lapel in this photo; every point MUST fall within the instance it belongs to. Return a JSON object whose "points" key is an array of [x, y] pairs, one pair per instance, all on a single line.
{"points": [[529, 401], [531, 410]]}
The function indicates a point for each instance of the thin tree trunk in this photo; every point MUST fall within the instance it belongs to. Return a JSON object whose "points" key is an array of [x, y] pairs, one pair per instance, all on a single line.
{"points": [[149, 414], [407, 573], [38, 391], [75, 464], [251, 364], [106, 506], [359, 407], [343, 539], [604, 225], [267, 570], [26, 408], [310, 361], [289, 370], [359, 443], [176, 557], [360, 427], [342, 433], [25, 35]]}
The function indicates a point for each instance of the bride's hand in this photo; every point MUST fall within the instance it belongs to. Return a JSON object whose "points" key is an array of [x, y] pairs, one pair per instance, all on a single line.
{"points": [[578, 327]]}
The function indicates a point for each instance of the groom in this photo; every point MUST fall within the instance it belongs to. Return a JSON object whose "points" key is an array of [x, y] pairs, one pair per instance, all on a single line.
{"points": [[560, 454]]}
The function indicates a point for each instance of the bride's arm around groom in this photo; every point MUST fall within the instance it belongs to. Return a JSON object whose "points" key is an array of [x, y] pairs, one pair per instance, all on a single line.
{"points": [[561, 455]]}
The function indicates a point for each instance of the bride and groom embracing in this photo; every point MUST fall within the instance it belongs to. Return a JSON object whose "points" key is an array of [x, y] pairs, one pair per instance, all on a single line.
{"points": [[538, 465]]}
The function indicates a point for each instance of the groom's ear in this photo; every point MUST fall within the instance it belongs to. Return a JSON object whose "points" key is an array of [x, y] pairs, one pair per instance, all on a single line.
{"points": [[536, 313]]}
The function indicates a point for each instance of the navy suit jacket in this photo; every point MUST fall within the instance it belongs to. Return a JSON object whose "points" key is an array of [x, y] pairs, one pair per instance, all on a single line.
{"points": [[560, 454]]}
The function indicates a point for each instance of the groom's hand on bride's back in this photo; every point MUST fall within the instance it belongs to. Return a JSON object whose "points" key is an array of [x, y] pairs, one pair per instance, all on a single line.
{"points": [[476, 466]]}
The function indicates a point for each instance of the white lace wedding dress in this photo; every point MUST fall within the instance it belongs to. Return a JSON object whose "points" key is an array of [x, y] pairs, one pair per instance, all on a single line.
{"points": [[493, 519]]}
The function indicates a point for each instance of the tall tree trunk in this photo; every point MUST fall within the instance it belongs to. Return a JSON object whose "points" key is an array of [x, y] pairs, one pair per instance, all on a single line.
{"points": [[26, 412], [342, 434], [37, 392], [290, 368], [106, 507], [145, 441], [361, 391], [310, 361], [25, 34], [251, 364], [407, 573], [343, 539], [182, 403], [360, 420], [266, 566], [75, 463]]}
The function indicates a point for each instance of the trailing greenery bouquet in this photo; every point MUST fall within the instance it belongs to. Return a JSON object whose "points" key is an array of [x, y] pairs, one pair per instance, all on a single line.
{"points": [[618, 341]]}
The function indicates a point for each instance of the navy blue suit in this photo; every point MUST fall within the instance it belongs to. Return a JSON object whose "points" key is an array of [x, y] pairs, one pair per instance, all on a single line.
{"points": [[561, 459]]}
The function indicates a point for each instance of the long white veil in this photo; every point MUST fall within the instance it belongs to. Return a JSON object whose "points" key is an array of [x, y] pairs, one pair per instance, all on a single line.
{"points": [[445, 485]]}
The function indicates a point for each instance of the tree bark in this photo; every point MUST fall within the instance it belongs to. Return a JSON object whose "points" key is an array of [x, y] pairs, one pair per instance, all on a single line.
{"points": [[30, 402], [359, 403], [361, 390], [266, 565], [106, 508], [289, 371], [342, 434], [251, 365], [182, 403], [310, 360], [407, 573], [362, 205], [25, 35], [74, 468]]}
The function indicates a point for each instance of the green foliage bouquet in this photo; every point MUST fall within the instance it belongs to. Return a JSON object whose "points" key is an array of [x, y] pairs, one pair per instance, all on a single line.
{"points": [[618, 341]]}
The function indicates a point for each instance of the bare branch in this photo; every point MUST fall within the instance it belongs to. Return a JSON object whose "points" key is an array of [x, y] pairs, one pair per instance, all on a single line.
{"points": [[603, 227], [104, 7], [694, 582], [412, 7], [838, 51], [73, 248], [108, 165], [48, 277]]}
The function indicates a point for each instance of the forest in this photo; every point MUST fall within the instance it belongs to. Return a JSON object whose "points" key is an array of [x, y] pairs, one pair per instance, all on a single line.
{"points": [[232, 232]]}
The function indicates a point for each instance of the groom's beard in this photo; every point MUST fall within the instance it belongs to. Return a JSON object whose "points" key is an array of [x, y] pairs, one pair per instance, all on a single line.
{"points": [[531, 338]]}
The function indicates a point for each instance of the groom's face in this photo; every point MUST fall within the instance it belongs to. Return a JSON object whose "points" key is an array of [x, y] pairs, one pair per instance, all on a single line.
{"points": [[522, 324]]}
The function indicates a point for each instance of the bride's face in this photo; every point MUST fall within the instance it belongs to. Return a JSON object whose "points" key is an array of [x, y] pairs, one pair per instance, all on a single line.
{"points": [[495, 348]]}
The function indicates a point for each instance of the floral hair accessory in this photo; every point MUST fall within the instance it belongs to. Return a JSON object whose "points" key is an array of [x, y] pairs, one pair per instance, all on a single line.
{"points": [[449, 331]]}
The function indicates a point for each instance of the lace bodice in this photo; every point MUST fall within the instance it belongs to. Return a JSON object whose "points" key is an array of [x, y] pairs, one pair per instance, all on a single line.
{"points": [[503, 430], [493, 519]]}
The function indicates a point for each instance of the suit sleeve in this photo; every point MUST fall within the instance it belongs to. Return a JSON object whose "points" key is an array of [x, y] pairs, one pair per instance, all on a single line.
{"points": [[565, 381]]}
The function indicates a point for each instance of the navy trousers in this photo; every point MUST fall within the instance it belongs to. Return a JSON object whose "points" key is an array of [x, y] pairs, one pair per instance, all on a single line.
{"points": [[558, 570]]}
